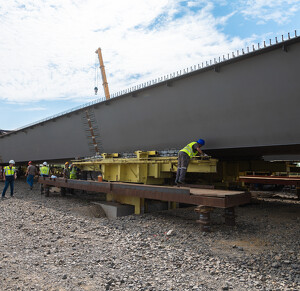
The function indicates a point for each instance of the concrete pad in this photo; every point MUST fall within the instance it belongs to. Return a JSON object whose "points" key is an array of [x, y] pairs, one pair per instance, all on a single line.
{"points": [[114, 209], [54, 189]]}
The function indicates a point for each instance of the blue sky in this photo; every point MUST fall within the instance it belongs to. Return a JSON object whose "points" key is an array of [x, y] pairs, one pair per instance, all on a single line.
{"points": [[47, 48]]}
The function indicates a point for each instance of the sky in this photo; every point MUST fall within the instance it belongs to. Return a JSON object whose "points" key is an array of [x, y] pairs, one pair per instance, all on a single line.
{"points": [[47, 47]]}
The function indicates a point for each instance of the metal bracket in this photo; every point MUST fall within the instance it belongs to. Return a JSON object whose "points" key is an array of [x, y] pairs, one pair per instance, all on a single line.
{"points": [[284, 48], [217, 69]]}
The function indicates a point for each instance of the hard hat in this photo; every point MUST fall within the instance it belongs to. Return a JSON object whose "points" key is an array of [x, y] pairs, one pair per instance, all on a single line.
{"points": [[66, 163], [29, 162], [45, 163], [12, 162], [201, 141]]}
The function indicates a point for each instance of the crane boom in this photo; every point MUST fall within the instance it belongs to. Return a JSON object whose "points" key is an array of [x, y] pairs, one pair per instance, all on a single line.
{"points": [[102, 68]]}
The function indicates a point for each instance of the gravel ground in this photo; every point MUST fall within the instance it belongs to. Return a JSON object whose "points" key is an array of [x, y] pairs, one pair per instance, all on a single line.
{"points": [[55, 243]]}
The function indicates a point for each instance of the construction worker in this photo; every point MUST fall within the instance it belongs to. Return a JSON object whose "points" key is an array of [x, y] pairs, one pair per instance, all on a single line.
{"points": [[73, 175], [30, 173], [10, 174], [45, 170], [73, 172], [184, 156], [66, 171]]}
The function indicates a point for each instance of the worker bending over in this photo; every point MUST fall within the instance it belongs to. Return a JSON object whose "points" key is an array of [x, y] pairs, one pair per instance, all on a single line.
{"points": [[10, 174], [184, 156]]}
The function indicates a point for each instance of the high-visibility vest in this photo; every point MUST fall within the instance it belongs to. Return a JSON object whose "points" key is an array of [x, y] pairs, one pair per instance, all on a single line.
{"points": [[73, 173], [45, 170], [188, 149], [9, 171]]}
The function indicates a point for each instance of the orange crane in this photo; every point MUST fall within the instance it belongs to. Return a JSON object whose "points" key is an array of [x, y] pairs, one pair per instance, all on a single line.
{"points": [[102, 68]]}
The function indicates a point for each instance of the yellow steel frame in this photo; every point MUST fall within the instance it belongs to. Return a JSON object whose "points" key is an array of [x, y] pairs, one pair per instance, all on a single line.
{"points": [[146, 167]]}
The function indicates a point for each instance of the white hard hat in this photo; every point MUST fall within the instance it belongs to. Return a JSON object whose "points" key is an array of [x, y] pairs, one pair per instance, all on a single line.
{"points": [[12, 162], [45, 163]]}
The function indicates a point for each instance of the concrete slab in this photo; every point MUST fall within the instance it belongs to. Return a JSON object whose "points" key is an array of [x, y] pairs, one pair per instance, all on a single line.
{"points": [[54, 190], [114, 209]]}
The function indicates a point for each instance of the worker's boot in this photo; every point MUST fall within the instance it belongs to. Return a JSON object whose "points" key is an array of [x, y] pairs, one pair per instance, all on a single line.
{"points": [[177, 175], [182, 176]]}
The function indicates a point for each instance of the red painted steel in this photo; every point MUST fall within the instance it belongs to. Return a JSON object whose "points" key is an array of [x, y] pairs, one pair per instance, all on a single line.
{"points": [[175, 194]]}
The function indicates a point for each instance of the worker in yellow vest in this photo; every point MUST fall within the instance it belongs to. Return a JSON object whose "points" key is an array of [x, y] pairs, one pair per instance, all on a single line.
{"points": [[45, 170], [184, 156], [72, 175], [73, 172], [10, 174]]}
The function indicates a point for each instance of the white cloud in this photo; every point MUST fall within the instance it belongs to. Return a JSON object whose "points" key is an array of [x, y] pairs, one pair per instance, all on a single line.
{"points": [[28, 109], [278, 11], [47, 48]]}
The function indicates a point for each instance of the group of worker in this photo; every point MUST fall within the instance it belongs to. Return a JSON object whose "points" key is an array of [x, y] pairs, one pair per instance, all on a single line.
{"points": [[70, 171], [32, 171], [10, 174]]}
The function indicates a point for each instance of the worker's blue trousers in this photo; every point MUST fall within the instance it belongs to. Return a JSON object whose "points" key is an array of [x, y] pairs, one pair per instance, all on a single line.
{"points": [[9, 181], [29, 180]]}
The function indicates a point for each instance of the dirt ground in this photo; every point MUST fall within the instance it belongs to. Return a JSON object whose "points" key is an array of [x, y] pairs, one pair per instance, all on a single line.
{"points": [[67, 243]]}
